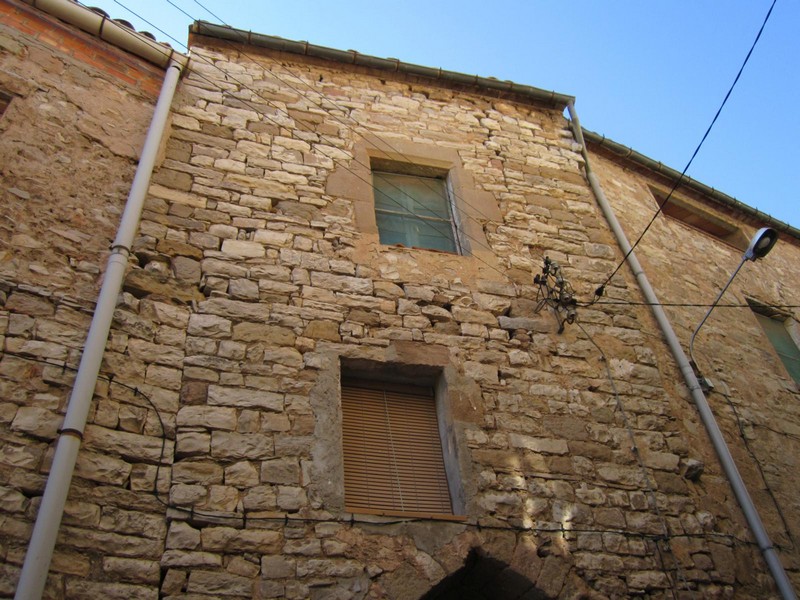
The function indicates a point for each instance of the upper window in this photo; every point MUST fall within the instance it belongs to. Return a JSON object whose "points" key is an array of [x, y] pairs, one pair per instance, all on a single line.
{"points": [[413, 206], [393, 460], [697, 218], [775, 325]]}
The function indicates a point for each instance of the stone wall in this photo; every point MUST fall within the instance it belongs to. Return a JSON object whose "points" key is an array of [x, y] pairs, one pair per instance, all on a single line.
{"points": [[69, 142], [261, 189], [212, 462], [755, 400]]}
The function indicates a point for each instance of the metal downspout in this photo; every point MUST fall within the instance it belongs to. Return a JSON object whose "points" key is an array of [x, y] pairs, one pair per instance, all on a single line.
{"points": [[723, 453], [45, 531]]}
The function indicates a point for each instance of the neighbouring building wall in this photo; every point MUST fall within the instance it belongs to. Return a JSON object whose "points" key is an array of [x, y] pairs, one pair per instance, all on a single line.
{"points": [[755, 399], [69, 142]]}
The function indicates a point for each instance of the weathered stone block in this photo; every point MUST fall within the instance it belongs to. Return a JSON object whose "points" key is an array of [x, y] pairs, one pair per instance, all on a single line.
{"points": [[543, 445], [243, 249], [182, 536], [197, 472], [278, 567], [204, 325], [244, 398], [132, 570], [82, 589], [211, 417], [36, 421], [281, 470], [220, 584], [227, 445]]}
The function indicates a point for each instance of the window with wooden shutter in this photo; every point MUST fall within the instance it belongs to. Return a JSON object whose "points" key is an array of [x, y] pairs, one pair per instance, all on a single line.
{"points": [[774, 323], [392, 450]]}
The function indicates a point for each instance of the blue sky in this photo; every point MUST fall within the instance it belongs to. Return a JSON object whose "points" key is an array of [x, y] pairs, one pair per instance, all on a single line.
{"points": [[649, 75]]}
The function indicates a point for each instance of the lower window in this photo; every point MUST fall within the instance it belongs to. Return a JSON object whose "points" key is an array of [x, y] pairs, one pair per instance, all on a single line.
{"points": [[392, 450], [775, 326]]}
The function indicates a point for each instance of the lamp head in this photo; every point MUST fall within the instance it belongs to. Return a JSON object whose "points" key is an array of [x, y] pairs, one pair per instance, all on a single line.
{"points": [[761, 244]]}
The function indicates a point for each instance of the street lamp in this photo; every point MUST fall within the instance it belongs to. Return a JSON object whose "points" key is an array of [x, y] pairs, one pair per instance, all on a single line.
{"points": [[759, 247]]}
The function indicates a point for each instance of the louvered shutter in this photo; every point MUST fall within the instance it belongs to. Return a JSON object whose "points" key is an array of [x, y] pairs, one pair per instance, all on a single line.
{"points": [[392, 451]]}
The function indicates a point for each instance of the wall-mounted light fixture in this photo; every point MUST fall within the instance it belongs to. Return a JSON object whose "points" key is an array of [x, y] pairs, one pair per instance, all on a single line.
{"points": [[762, 242]]}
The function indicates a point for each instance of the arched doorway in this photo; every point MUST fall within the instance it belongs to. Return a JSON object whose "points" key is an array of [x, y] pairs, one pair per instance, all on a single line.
{"points": [[485, 578]]}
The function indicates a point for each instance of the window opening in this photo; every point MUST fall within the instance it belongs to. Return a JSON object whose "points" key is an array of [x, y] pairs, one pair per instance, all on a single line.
{"points": [[393, 461], [413, 207], [697, 218], [775, 325]]}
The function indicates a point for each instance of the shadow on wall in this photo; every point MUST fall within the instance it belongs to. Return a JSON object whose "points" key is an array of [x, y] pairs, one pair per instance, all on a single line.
{"points": [[485, 578]]}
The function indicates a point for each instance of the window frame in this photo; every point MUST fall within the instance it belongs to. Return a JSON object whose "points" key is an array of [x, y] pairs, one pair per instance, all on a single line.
{"points": [[788, 326], [699, 219], [432, 374], [472, 206], [392, 451], [444, 190]]}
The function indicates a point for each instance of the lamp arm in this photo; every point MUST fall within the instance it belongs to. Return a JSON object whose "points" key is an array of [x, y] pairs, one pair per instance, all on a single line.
{"points": [[719, 297]]}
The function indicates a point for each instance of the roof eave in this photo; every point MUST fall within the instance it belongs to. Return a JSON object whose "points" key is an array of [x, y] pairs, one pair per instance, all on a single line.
{"points": [[658, 167], [351, 57]]}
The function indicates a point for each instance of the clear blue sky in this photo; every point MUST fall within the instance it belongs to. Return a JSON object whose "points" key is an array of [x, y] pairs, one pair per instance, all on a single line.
{"points": [[649, 75]]}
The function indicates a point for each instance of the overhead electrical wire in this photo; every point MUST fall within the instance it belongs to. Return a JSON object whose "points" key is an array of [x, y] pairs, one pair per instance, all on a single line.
{"points": [[746, 442], [294, 517], [344, 110], [460, 230], [694, 154], [263, 115], [667, 534], [385, 143], [649, 487], [681, 304]]}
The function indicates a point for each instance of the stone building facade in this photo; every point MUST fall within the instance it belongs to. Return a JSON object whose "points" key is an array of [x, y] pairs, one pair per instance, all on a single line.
{"points": [[261, 303]]}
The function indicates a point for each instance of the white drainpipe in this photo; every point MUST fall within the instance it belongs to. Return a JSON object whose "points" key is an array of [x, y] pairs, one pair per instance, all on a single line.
{"points": [[706, 415], [48, 519]]}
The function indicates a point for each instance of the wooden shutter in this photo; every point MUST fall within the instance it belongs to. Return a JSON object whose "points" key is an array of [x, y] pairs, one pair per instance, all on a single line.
{"points": [[392, 452], [783, 343]]}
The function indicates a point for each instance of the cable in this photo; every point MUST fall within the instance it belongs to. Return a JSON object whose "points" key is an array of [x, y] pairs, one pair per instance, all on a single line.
{"points": [[110, 379], [694, 154], [757, 463], [351, 520], [680, 304], [402, 191], [322, 136], [649, 489], [323, 99]]}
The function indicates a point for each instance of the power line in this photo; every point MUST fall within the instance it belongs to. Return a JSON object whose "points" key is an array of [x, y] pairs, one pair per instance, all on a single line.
{"points": [[322, 136], [323, 99], [678, 304], [649, 488], [694, 154], [357, 175]]}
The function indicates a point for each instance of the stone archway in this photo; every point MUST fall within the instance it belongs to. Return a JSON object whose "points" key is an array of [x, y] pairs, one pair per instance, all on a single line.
{"points": [[485, 578]]}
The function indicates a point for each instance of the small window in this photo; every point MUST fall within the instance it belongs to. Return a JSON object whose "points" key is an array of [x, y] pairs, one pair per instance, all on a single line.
{"points": [[775, 325], [697, 218], [392, 450], [413, 207]]}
